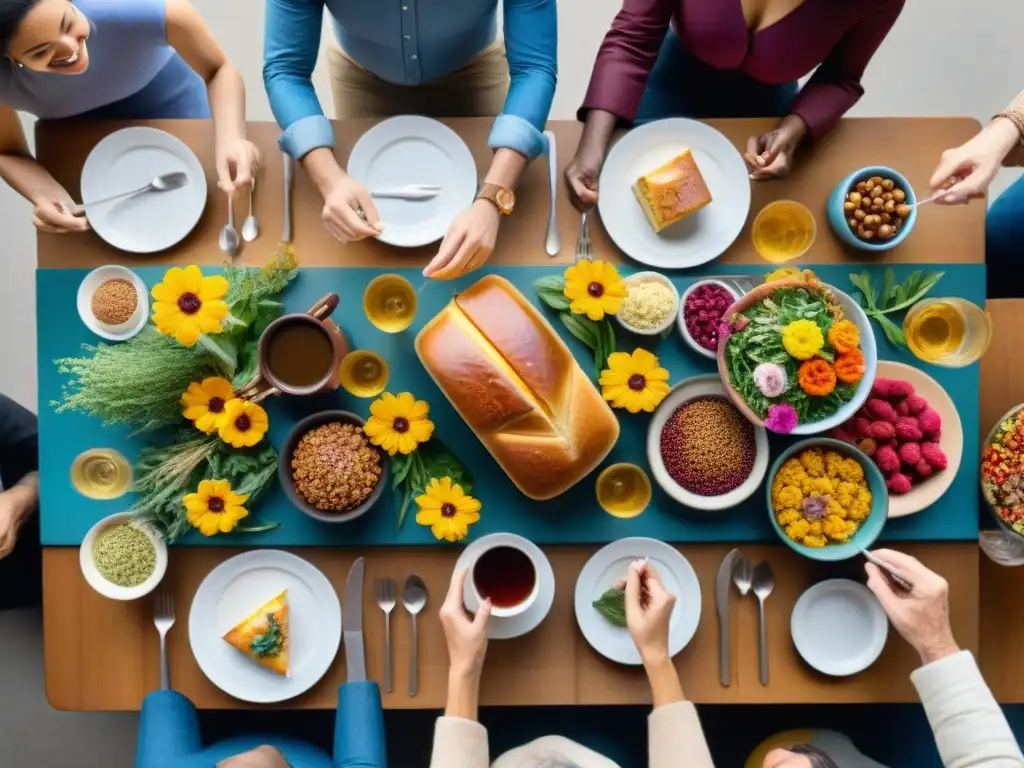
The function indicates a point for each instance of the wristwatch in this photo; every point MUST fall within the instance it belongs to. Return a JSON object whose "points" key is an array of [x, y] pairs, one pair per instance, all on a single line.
{"points": [[501, 198]]}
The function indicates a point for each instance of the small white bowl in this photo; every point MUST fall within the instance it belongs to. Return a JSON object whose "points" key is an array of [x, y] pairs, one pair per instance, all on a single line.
{"points": [[839, 627], [135, 323], [96, 579], [643, 277], [681, 315], [688, 389]]}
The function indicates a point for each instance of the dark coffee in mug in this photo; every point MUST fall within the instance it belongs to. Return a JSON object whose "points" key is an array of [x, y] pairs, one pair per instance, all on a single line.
{"points": [[506, 575], [300, 353]]}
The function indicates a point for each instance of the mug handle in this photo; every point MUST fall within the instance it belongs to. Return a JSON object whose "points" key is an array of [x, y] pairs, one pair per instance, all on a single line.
{"points": [[325, 307]]}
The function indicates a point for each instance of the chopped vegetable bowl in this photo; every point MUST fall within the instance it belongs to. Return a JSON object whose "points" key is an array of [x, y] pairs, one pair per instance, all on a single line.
{"points": [[797, 356]]}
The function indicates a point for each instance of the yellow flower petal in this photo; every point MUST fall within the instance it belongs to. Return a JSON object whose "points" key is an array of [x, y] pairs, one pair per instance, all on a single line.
{"points": [[419, 410], [643, 361], [187, 333], [428, 502], [163, 292], [611, 377], [421, 430], [406, 443], [213, 287]]}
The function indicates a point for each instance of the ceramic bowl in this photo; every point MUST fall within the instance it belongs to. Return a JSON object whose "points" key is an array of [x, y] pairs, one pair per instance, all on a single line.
{"points": [[853, 312], [644, 276], [872, 526], [681, 316], [700, 386], [88, 287], [98, 582], [989, 501], [284, 467], [837, 216]]}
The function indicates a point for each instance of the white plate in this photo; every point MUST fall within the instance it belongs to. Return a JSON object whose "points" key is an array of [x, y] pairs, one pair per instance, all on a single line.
{"points": [[415, 150], [504, 628], [839, 627], [88, 287], [701, 386], [698, 238], [239, 586], [149, 222], [611, 563]]}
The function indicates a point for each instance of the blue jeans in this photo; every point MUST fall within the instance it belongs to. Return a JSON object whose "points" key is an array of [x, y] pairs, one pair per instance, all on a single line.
{"points": [[681, 85], [1004, 243]]}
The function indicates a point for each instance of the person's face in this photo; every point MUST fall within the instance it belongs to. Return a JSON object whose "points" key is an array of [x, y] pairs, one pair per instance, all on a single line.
{"points": [[52, 38], [783, 758]]}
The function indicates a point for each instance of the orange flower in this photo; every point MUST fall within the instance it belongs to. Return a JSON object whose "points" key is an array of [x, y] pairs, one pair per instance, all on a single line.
{"points": [[844, 336], [850, 367], [816, 377]]}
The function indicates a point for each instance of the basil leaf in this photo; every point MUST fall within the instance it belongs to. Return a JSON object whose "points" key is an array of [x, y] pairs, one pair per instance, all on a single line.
{"points": [[549, 283], [612, 605], [554, 299], [863, 282], [578, 328], [888, 287], [922, 287], [609, 330], [892, 331], [401, 463]]}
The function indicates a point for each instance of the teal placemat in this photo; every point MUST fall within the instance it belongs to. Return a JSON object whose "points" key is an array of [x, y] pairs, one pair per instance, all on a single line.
{"points": [[574, 517]]}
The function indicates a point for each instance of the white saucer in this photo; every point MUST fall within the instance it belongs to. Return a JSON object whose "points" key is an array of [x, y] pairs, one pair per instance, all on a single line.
{"points": [[839, 627], [504, 628]]}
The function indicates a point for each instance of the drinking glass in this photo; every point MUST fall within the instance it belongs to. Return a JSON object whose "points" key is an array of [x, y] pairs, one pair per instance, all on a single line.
{"points": [[783, 230], [390, 303], [951, 332]]}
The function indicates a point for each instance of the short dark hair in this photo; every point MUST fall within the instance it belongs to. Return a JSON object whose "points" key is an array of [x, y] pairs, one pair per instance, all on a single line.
{"points": [[12, 13], [818, 758]]}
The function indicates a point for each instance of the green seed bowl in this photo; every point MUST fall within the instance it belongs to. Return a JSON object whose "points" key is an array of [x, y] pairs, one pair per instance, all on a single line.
{"points": [[869, 530]]}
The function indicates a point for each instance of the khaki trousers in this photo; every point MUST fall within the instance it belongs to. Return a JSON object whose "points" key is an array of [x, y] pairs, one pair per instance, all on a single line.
{"points": [[476, 89]]}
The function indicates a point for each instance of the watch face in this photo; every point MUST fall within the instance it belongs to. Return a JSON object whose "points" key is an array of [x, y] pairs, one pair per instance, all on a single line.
{"points": [[505, 198]]}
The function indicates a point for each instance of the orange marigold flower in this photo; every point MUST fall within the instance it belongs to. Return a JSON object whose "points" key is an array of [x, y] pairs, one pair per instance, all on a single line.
{"points": [[817, 377], [844, 336], [850, 367]]}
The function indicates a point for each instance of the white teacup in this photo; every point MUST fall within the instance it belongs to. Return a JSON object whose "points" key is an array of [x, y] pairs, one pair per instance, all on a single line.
{"points": [[507, 574]]}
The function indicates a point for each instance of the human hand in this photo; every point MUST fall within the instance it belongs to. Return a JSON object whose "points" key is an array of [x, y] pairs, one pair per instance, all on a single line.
{"points": [[972, 166], [920, 616], [466, 637], [648, 611], [349, 213], [57, 214], [581, 176], [468, 243], [238, 160], [15, 508]]}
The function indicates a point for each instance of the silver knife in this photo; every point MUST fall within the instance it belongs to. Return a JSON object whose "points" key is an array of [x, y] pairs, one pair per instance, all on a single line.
{"points": [[723, 589], [289, 173], [552, 244], [355, 656]]}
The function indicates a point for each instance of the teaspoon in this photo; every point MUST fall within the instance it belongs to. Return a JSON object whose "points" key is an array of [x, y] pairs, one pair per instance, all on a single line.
{"points": [[764, 583], [414, 598], [229, 235], [250, 227]]}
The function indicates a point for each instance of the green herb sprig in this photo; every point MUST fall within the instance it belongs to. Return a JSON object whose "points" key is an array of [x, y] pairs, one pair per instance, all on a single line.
{"points": [[612, 605], [893, 297], [412, 472], [599, 336], [270, 642]]}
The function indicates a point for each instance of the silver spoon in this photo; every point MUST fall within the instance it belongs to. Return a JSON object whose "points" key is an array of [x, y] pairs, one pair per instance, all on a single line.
{"points": [[162, 183], [414, 598], [763, 583], [742, 577], [229, 235], [250, 227]]}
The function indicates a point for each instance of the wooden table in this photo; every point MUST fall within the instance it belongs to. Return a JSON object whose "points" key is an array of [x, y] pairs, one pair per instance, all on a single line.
{"points": [[87, 636]]}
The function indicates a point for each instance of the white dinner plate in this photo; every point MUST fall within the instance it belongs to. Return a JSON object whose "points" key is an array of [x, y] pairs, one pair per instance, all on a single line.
{"points": [[239, 586], [506, 627], [611, 563], [415, 150], [839, 627], [701, 236], [152, 221]]}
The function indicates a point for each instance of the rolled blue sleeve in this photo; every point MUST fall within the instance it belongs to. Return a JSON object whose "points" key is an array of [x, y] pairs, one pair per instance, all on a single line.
{"points": [[531, 43], [168, 730], [291, 44]]}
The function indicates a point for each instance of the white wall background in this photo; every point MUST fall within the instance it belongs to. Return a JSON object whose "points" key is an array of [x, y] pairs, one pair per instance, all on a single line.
{"points": [[944, 57]]}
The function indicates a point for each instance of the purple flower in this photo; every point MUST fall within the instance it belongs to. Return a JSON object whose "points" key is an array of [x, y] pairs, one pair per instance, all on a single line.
{"points": [[781, 418], [770, 379], [815, 506]]}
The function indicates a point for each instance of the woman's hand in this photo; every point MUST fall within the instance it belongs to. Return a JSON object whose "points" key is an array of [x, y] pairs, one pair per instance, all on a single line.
{"points": [[237, 164], [973, 165], [770, 155], [349, 213], [466, 637], [581, 176], [54, 212], [922, 616], [648, 610], [468, 243]]}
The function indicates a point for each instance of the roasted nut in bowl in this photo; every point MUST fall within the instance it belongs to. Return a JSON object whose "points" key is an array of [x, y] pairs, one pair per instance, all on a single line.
{"points": [[873, 209]]}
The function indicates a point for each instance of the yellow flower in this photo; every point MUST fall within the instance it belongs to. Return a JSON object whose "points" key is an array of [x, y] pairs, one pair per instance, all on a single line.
{"points": [[594, 289], [802, 339], [398, 424], [782, 273], [203, 403], [634, 382], [187, 304], [215, 508], [447, 510], [244, 423]]}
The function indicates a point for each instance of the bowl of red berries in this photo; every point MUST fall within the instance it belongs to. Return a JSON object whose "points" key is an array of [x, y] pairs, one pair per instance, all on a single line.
{"points": [[701, 310]]}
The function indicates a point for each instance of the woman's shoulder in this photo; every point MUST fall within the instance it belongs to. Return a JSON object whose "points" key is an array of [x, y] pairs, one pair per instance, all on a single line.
{"points": [[124, 12]]}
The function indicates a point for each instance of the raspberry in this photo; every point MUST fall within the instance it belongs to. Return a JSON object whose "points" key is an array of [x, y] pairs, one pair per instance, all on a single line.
{"points": [[887, 459], [898, 483], [880, 409], [932, 453], [910, 453], [930, 420], [882, 431], [908, 429]]}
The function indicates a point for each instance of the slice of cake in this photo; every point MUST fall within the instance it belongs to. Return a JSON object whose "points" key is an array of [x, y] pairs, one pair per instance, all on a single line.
{"points": [[263, 635], [673, 191]]}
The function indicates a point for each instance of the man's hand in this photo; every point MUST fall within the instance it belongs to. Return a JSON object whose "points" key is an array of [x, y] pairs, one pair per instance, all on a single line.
{"points": [[17, 504]]}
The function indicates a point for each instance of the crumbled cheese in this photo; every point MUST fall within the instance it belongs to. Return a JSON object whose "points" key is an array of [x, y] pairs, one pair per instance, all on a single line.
{"points": [[648, 304]]}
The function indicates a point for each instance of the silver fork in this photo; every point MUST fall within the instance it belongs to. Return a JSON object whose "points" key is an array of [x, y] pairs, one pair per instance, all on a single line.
{"points": [[584, 249], [387, 595], [163, 618]]}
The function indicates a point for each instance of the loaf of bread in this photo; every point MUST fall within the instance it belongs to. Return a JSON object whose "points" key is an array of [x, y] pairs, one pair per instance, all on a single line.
{"points": [[672, 191], [515, 382]]}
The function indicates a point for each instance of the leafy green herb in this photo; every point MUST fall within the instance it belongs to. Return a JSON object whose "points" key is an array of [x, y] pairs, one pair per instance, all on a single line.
{"points": [[894, 297], [612, 605], [413, 472], [598, 336], [270, 642]]}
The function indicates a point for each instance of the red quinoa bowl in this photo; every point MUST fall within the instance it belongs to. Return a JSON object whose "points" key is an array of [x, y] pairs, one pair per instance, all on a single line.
{"points": [[701, 449]]}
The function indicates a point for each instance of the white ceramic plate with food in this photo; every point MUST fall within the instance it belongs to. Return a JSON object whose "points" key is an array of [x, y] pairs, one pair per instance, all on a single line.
{"points": [[611, 563], [839, 627], [506, 627], [133, 324], [415, 150], [701, 236], [150, 221], [239, 586]]}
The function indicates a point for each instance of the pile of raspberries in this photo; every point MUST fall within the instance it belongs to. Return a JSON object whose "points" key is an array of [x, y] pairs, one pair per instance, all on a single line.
{"points": [[900, 432]]}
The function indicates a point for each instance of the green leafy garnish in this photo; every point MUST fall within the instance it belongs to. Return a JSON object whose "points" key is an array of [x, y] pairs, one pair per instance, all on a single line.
{"points": [[894, 297], [598, 336], [270, 642], [612, 605], [412, 472]]}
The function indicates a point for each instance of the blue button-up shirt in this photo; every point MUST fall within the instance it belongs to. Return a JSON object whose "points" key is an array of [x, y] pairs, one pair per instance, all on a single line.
{"points": [[411, 42]]}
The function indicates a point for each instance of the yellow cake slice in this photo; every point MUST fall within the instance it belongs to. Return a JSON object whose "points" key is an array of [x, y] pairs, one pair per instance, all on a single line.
{"points": [[673, 191], [263, 635]]}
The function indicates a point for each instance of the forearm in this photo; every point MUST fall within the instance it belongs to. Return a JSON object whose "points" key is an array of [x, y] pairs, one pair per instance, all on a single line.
{"points": [[463, 695], [665, 686], [1007, 131], [792, 130], [28, 178], [227, 103], [506, 168], [597, 132], [24, 496], [323, 168]]}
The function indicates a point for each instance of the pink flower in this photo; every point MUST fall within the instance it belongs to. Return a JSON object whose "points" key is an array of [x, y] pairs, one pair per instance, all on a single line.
{"points": [[782, 419], [724, 333], [770, 379]]}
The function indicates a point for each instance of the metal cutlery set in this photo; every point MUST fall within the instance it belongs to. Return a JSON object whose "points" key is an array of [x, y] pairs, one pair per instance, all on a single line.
{"points": [[735, 570], [414, 600]]}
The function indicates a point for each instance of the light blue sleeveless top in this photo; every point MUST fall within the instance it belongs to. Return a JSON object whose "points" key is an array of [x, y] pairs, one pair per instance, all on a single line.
{"points": [[133, 73]]}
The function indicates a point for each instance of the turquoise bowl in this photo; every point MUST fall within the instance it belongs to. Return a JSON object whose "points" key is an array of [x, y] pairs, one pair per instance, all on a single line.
{"points": [[869, 530], [837, 217]]}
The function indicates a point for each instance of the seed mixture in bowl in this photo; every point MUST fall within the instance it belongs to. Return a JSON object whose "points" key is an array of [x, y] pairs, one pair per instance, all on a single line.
{"points": [[708, 447], [335, 468]]}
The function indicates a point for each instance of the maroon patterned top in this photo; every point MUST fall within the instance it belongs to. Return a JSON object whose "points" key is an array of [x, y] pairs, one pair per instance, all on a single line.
{"points": [[840, 35]]}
